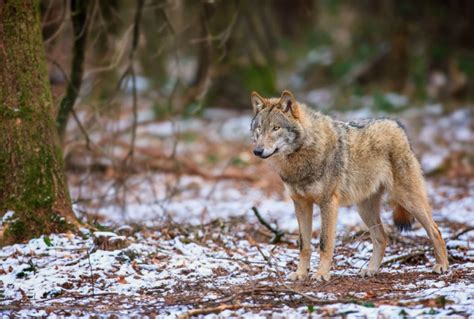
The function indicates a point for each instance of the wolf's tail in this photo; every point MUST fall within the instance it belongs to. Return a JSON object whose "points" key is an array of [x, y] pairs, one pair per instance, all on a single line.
{"points": [[402, 218]]}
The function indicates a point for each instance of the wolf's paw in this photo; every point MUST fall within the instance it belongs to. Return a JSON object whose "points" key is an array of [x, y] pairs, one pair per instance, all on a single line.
{"points": [[297, 276], [367, 272], [321, 277], [440, 268]]}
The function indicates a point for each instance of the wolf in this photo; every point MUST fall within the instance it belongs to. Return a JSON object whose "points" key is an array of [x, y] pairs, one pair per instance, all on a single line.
{"points": [[332, 163]]}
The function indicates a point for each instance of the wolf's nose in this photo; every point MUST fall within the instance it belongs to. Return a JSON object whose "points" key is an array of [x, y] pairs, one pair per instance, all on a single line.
{"points": [[258, 151]]}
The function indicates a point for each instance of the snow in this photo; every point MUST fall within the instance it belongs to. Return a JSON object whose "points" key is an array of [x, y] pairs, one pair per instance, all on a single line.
{"points": [[321, 98], [432, 160], [193, 207], [162, 262], [396, 100], [104, 234], [7, 216], [62, 269]]}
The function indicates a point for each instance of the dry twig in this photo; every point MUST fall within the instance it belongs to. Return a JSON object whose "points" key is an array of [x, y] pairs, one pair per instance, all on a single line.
{"points": [[278, 233], [405, 257], [462, 232], [206, 311]]}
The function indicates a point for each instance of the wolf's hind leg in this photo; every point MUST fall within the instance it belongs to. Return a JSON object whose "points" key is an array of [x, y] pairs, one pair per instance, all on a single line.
{"points": [[416, 203], [409, 191], [369, 211], [304, 214]]}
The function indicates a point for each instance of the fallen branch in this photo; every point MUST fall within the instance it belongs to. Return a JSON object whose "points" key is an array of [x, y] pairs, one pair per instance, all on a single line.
{"points": [[317, 301], [184, 165], [462, 232], [405, 257], [206, 311], [278, 233], [418, 253], [266, 233], [155, 160], [285, 290], [356, 236]]}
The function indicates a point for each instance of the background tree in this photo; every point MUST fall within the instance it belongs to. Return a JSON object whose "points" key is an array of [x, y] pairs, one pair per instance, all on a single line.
{"points": [[79, 19], [32, 180]]}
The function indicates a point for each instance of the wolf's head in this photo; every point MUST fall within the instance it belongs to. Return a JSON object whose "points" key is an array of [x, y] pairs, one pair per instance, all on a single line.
{"points": [[276, 127]]}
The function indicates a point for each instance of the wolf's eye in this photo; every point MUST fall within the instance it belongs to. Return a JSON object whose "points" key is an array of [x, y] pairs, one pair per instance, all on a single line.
{"points": [[276, 128]]}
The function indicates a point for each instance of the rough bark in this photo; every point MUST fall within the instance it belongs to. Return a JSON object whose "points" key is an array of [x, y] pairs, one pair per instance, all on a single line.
{"points": [[32, 179]]}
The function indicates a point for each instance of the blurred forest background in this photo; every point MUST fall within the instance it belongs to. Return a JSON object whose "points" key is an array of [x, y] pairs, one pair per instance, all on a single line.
{"points": [[152, 106], [136, 62], [119, 67], [186, 55]]}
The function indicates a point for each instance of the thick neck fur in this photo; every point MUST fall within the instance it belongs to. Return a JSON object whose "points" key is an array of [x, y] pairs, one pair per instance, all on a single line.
{"points": [[312, 159]]}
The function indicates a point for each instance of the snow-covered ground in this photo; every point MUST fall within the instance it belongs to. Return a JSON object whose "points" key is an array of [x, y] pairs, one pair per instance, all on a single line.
{"points": [[208, 252], [196, 243], [168, 270]]}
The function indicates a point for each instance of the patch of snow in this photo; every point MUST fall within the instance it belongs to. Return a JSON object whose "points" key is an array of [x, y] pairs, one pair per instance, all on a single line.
{"points": [[321, 98], [396, 100], [8, 215], [322, 56], [235, 129]]}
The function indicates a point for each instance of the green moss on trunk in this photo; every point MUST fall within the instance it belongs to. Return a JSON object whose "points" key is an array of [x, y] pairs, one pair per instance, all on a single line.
{"points": [[32, 180]]}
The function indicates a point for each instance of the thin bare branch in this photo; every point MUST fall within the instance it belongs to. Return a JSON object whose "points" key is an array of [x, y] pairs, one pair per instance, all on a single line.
{"points": [[278, 234], [79, 11]]}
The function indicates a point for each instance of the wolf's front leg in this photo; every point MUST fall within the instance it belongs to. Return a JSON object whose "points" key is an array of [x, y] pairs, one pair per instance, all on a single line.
{"points": [[329, 210], [304, 214]]}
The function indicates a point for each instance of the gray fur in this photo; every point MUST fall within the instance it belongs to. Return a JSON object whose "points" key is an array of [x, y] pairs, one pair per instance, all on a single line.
{"points": [[332, 163]]}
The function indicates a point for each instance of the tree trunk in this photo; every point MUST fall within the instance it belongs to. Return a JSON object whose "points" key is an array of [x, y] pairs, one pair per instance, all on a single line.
{"points": [[32, 180], [80, 29]]}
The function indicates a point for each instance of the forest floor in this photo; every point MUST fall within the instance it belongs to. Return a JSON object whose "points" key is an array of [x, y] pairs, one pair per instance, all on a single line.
{"points": [[190, 244]]}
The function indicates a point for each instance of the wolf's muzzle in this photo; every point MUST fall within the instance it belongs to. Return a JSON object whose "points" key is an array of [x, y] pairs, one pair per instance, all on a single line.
{"points": [[258, 152]]}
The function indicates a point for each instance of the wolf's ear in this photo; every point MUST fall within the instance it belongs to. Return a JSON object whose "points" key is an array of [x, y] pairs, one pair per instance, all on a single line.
{"points": [[257, 102], [288, 103]]}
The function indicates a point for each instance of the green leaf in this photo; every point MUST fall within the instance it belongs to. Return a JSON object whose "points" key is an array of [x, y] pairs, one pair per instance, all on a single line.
{"points": [[212, 159], [21, 275], [432, 312], [368, 304], [239, 162], [310, 308], [47, 241], [189, 137], [101, 227], [24, 272], [403, 313], [441, 301]]}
